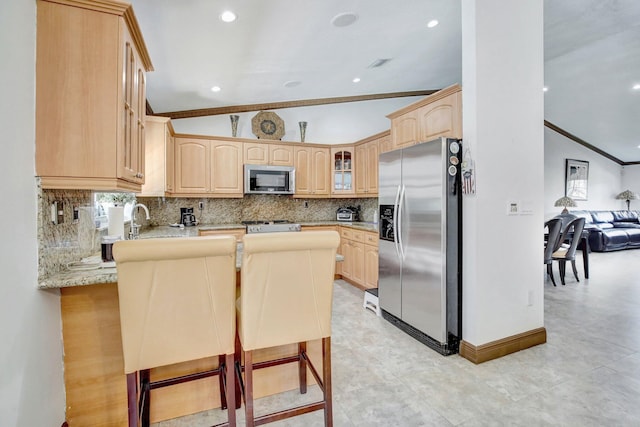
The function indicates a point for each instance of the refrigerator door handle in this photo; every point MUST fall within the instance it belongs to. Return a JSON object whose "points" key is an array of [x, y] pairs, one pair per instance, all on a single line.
{"points": [[399, 230], [395, 221]]}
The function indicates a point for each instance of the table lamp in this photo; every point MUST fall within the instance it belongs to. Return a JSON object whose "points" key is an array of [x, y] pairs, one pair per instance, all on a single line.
{"points": [[628, 196], [565, 202]]}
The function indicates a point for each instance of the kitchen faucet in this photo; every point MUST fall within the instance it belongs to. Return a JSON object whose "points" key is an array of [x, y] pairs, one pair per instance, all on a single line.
{"points": [[134, 231]]}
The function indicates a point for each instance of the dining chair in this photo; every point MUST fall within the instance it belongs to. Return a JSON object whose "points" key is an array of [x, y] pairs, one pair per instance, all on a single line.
{"points": [[177, 304], [565, 219], [554, 227], [286, 296], [564, 253]]}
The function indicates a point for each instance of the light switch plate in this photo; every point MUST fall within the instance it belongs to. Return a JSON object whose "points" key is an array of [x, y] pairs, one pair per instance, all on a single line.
{"points": [[513, 207]]}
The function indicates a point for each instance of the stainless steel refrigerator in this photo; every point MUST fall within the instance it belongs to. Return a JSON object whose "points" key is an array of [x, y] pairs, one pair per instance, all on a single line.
{"points": [[420, 277]]}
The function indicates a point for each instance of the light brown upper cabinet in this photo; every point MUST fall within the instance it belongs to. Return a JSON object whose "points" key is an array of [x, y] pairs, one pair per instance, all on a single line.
{"points": [[385, 144], [312, 166], [207, 167], [159, 151], [441, 118], [405, 129], [342, 171], [91, 64], [192, 164], [439, 114], [268, 154], [170, 153], [366, 172]]}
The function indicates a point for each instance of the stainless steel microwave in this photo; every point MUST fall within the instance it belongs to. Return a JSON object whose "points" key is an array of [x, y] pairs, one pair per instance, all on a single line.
{"points": [[263, 179]]}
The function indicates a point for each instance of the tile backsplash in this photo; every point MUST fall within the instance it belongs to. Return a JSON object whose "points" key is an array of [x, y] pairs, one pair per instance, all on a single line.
{"points": [[59, 244], [165, 211]]}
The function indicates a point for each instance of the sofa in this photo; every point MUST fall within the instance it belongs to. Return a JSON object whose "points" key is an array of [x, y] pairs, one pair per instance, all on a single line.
{"points": [[611, 230]]}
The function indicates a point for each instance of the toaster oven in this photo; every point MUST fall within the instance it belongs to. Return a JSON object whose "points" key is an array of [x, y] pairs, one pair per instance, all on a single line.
{"points": [[347, 214]]}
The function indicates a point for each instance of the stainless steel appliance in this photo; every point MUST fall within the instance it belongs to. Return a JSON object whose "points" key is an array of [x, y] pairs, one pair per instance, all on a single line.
{"points": [[348, 213], [420, 278], [275, 226], [263, 179], [187, 218]]}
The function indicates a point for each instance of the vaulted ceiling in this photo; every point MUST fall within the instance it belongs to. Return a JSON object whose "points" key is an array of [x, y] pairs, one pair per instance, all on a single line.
{"points": [[291, 50]]}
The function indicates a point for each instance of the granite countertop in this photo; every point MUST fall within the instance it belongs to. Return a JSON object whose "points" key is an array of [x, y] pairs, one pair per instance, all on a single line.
{"points": [[102, 275], [366, 226]]}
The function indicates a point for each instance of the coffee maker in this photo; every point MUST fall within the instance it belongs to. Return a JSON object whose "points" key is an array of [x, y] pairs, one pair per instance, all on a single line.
{"points": [[187, 218]]}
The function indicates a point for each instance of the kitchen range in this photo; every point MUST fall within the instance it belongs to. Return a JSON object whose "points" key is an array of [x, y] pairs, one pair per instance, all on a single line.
{"points": [[274, 226]]}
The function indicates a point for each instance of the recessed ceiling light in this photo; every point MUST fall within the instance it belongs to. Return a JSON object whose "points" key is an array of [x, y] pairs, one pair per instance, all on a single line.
{"points": [[636, 87], [544, 89], [215, 89], [356, 80], [344, 19], [292, 83], [228, 16], [432, 23]]}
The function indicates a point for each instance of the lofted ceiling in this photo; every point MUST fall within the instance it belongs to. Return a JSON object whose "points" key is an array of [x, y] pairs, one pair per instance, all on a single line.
{"points": [[289, 50]]}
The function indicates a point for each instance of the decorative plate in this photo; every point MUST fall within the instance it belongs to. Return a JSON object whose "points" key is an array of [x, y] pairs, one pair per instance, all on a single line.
{"points": [[267, 125]]}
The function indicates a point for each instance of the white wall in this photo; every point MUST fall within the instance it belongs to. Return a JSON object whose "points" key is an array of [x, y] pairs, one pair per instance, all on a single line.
{"points": [[502, 77], [630, 181], [605, 180], [31, 382], [502, 69], [326, 124]]}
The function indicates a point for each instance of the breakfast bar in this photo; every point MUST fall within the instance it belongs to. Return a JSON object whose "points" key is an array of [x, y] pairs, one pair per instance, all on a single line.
{"points": [[94, 371]]}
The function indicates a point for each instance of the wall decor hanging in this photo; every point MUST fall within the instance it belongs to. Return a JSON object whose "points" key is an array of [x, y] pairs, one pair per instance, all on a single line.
{"points": [[577, 179], [303, 130], [267, 125], [234, 124]]}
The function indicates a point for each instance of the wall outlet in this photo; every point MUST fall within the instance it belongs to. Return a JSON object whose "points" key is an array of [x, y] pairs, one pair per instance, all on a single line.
{"points": [[57, 212], [76, 214], [201, 205], [306, 204]]}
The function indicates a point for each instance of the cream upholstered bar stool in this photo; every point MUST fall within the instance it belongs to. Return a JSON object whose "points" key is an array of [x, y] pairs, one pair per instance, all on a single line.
{"points": [[177, 304], [286, 296]]}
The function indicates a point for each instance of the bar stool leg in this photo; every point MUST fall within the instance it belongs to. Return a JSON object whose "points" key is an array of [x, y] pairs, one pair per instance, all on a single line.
{"points": [[248, 388], [237, 363], [302, 367], [132, 398], [326, 379], [221, 379], [145, 380], [230, 380]]}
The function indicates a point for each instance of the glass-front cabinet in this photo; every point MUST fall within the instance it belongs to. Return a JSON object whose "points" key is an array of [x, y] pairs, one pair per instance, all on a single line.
{"points": [[343, 173]]}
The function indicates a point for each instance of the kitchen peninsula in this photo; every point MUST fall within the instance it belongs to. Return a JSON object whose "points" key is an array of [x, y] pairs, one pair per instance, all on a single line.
{"points": [[94, 373]]}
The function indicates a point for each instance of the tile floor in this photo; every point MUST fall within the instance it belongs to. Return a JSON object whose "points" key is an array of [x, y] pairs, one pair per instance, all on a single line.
{"points": [[587, 374]]}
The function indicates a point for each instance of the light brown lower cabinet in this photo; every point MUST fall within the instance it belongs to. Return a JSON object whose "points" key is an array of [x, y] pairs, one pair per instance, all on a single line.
{"points": [[237, 232], [360, 251], [370, 266]]}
